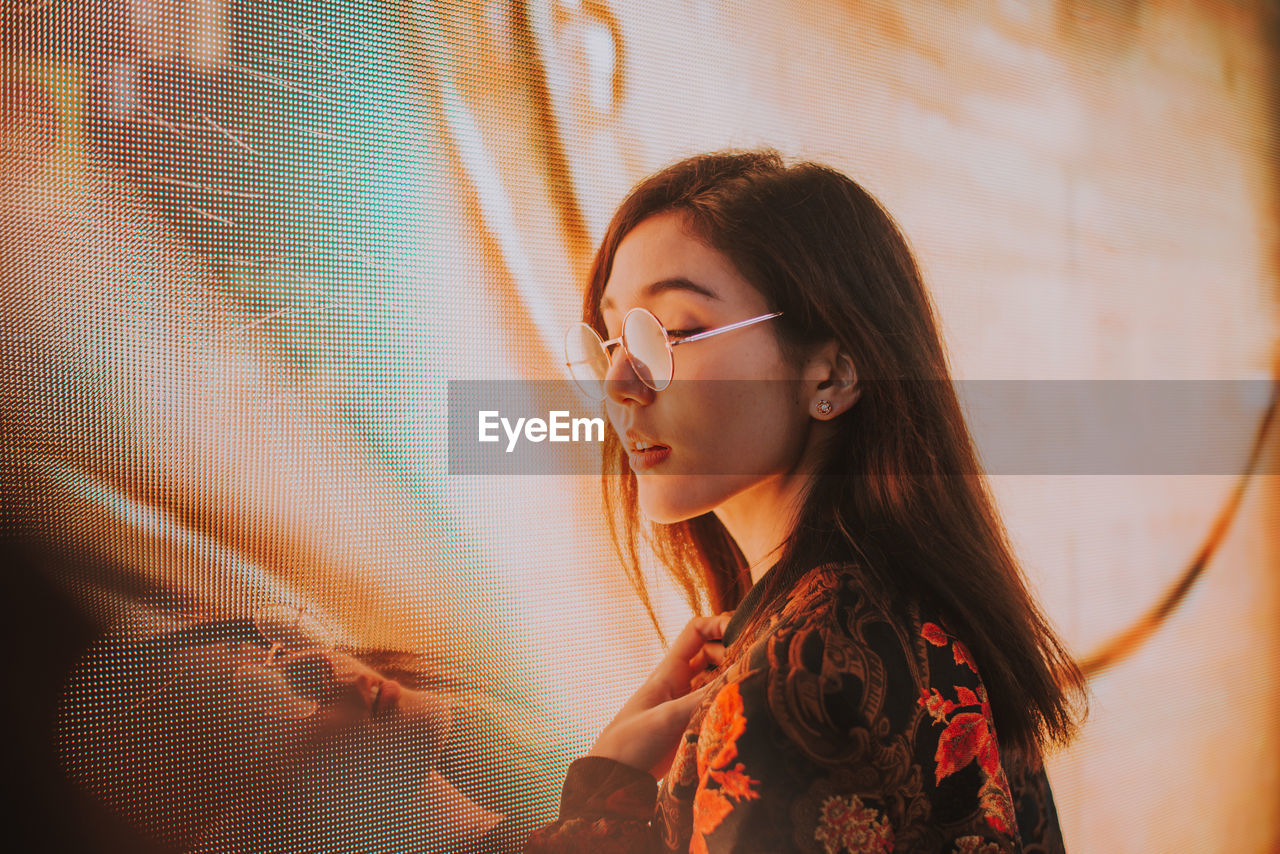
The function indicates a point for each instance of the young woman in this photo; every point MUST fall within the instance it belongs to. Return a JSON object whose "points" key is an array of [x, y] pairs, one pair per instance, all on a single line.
{"points": [[886, 681]]}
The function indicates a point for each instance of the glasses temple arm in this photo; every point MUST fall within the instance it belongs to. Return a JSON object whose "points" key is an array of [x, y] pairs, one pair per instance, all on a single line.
{"points": [[729, 328]]}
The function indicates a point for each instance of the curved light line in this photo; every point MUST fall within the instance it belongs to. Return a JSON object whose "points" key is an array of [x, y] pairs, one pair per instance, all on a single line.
{"points": [[1125, 643]]}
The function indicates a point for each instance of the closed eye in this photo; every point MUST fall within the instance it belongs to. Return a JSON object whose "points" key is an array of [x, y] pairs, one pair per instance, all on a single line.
{"points": [[684, 333]]}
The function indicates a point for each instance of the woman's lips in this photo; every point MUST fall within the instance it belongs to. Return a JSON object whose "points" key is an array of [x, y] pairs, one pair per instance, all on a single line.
{"points": [[643, 460], [386, 697]]}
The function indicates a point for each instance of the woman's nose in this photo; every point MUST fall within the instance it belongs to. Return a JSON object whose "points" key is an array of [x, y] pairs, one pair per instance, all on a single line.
{"points": [[622, 383]]}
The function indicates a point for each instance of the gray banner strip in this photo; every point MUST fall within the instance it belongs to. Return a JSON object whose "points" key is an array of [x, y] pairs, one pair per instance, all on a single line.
{"points": [[1033, 427]]}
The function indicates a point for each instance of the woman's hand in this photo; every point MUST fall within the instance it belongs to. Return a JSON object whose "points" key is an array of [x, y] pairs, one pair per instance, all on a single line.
{"points": [[647, 730]]}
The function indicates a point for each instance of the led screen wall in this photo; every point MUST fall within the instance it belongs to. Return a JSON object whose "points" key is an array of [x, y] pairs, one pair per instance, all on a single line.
{"points": [[249, 246]]}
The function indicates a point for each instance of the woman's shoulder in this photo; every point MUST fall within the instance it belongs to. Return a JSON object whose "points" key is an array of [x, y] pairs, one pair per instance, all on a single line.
{"points": [[844, 652], [877, 693], [837, 669], [840, 640], [841, 601], [834, 579]]}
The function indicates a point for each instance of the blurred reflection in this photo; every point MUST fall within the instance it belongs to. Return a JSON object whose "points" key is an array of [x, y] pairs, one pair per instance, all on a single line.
{"points": [[245, 248], [209, 745]]}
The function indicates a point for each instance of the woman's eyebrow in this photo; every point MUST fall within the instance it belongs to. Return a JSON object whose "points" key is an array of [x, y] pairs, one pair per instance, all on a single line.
{"points": [[677, 284]]}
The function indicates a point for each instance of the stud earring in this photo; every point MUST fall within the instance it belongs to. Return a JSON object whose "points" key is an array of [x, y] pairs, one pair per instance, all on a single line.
{"points": [[824, 407]]}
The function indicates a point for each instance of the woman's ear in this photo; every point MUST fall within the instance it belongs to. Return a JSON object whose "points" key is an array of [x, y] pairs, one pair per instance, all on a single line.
{"points": [[831, 376]]}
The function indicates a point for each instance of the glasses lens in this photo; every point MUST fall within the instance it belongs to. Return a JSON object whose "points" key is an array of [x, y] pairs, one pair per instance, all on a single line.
{"points": [[646, 342], [587, 359]]}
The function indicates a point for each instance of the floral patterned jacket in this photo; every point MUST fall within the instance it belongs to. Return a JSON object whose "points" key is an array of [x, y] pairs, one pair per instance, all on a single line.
{"points": [[846, 726]]}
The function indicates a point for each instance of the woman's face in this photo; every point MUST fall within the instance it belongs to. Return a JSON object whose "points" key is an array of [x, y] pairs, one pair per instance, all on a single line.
{"points": [[730, 442]]}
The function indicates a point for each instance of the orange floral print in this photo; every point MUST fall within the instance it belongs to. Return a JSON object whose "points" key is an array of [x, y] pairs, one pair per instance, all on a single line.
{"points": [[968, 736], [725, 721], [975, 845], [937, 705], [934, 634], [717, 747], [735, 783], [997, 803], [962, 656], [847, 825], [683, 767], [710, 807]]}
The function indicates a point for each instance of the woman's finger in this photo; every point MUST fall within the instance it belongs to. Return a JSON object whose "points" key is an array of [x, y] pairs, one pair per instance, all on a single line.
{"points": [[676, 678], [697, 646], [710, 656], [697, 633]]}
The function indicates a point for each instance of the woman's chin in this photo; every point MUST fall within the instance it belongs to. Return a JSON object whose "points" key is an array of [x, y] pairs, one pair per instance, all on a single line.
{"points": [[661, 510]]}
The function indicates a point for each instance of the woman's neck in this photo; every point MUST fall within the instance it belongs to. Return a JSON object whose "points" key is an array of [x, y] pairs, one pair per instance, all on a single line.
{"points": [[758, 568], [761, 519]]}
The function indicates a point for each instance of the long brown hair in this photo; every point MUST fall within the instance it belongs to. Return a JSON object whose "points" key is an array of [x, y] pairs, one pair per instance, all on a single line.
{"points": [[900, 492]]}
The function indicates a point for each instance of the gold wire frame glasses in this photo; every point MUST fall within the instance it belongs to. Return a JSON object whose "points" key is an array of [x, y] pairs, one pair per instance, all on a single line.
{"points": [[646, 342]]}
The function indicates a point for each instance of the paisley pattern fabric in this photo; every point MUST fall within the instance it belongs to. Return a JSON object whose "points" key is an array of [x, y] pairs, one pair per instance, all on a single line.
{"points": [[848, 725]]}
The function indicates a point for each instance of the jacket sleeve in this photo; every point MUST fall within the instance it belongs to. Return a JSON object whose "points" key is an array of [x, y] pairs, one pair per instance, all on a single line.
{"points": [[605, 808]]}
